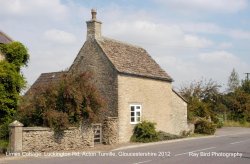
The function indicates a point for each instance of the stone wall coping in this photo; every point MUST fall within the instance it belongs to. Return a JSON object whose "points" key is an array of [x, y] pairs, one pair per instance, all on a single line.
{"points": [[16, 124], [40, 128], [36, 128]]}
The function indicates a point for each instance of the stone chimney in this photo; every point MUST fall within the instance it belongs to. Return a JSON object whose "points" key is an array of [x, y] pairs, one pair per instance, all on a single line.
{"points": [[93, 27]]}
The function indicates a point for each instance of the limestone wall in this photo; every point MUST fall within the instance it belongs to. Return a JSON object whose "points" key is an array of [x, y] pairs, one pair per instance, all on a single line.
{"points": [[110, 131], [178, 114], [92, 59], [40, 139], [156, 98]]}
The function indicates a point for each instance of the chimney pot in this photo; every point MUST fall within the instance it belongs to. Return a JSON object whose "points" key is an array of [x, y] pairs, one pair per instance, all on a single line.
{"points": [[93, 12]]}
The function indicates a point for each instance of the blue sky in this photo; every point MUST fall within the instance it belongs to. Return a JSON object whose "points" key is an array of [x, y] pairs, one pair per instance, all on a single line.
{"points": [[191, 39]]}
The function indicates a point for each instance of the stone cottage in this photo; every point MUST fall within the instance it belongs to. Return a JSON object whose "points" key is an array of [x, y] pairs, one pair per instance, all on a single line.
{"points": [[135, 87]]}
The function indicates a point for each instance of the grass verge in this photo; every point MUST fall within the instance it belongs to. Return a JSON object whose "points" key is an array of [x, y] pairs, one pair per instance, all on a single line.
{"points": [[198, 135], [230, 123]]}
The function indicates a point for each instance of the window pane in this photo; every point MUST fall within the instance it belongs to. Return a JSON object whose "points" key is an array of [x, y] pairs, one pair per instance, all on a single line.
{"points": [[138, 107], [132, 108], [132, 113], [138, 119], [138, 113], [132, 119]]}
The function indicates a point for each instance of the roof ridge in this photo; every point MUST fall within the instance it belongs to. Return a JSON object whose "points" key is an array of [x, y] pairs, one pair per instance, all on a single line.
{"points": [[118, 41]]}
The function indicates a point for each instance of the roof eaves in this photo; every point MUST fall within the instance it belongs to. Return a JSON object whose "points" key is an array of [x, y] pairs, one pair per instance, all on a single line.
{"points": [[145, 76], [179, 95]]}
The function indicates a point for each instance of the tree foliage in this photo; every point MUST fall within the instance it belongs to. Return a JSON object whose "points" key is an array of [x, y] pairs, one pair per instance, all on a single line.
{"points": [[233, 81], [11, 82], [204, 99], [15, 53], [238, 102], [70, 101], [245, 86]]}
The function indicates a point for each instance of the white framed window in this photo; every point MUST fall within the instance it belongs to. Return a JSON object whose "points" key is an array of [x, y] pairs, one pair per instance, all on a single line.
{"points": [[135, 113]]}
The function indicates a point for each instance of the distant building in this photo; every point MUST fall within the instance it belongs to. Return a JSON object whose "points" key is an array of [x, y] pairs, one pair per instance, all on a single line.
{"points": [[4, 39], [135, 87]]}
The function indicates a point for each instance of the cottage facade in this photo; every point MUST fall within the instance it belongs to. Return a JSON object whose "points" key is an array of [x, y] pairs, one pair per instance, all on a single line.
{"points": [[135, 87]]}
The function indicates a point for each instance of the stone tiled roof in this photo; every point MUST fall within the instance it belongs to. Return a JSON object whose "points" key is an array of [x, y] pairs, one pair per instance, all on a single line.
{"points": [[45, 79], [132, 60], [4, 39]]}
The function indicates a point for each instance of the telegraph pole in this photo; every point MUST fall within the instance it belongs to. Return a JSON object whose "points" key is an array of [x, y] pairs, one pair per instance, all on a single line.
{"points": [[247, 76]]}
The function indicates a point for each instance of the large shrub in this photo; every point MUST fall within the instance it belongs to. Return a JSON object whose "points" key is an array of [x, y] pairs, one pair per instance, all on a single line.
{"points": [[218, 121], [145, 132], [204, 99], [69, 102], [203, 126]]}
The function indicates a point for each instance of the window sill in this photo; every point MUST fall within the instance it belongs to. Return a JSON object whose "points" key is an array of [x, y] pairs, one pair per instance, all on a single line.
{"points": [[133, 123]]}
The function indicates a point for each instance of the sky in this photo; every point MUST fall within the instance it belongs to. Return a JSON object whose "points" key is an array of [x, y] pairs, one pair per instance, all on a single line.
{"points": [[191, 40]]}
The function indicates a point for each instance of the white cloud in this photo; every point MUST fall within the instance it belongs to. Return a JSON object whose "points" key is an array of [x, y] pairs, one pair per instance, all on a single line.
{"points": [[197, 42], [218, 57], [218, 65], [153, 34], [211, 28], [227, 6], [224, 45], [201, 27], [59, 36], [239, 34], [34, 8], [176, 66]]}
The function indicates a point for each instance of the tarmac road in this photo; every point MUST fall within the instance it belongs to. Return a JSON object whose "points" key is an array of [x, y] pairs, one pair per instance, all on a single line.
{"points": [[229, 146]]}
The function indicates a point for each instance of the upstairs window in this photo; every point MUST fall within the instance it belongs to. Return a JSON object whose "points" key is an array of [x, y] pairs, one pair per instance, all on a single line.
{"points": [[135, 114]]}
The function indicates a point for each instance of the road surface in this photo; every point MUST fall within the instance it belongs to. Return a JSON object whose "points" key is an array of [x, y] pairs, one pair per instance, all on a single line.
{"points": [[228, 146]]}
